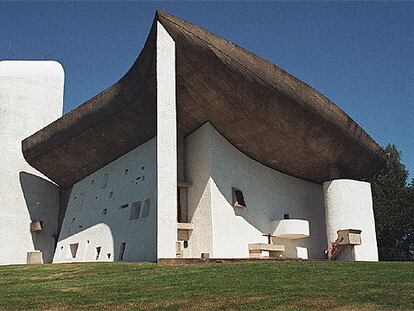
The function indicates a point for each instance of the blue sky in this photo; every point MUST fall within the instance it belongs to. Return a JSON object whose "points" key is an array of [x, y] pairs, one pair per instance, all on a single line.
{"points": [[358, 54]]}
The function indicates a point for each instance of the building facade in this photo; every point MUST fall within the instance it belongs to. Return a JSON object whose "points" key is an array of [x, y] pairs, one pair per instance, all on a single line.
{"points": [[202, 149]]}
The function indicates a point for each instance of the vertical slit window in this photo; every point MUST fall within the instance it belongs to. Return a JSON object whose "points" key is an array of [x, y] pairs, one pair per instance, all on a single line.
{"points": [[147, 206], [122, 251]]}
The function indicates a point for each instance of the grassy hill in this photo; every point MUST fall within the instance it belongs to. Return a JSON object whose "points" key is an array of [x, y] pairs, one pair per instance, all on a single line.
{"points": [[240, 286]]}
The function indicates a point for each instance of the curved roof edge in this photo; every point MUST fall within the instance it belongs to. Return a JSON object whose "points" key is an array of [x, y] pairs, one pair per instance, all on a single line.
{"points": [[124, 115]]}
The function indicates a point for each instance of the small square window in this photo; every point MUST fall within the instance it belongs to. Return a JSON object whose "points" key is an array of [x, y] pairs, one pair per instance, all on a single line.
{"points": [[238, 198], [286, 216]]}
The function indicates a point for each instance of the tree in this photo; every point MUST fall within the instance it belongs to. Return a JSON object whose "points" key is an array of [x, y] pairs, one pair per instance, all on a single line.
{"points": [[393, 202]]}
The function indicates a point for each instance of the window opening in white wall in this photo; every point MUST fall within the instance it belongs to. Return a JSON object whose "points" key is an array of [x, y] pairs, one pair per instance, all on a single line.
{"points": [[74, 249], [124, 206], [104, 181], [286, 216], [111, 194], [122, 251], [135, 210], [126, 172], [98, 252], [147, 206], [238, 198], [104, 211]]}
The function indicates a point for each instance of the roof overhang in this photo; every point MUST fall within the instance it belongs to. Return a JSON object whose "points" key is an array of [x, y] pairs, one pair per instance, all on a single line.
{"points": [[264, 111]]}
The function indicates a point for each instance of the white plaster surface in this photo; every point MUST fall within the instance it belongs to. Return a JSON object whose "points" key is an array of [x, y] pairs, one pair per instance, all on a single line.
{"points": [[214, 166], [198, 173], [290, 228], [166, 146], [348, 205], [31, 97], [130, 178]]}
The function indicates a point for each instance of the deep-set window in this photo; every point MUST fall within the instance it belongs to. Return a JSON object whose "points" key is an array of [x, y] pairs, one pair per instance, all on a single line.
{"points": [[147, 206], [135, 210], [238, 198], [74, 249], [122, 251], [98, 252]]}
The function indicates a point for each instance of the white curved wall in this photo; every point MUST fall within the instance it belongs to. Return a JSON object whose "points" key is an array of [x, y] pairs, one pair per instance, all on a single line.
{"points": [[214, 166], [31, 97], [99, 211], [348, 205]]}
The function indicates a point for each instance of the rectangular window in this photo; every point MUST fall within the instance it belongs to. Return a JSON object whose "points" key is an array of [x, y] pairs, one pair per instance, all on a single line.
{"points": [[147, 206], [238, 198], [74, 249], [286, 216], [98, 252], [135, 210], [122, 251], [124, 206], [36, 225]]}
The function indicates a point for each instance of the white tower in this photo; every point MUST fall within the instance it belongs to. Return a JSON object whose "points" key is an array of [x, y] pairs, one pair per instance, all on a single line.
{"points": [[31, 97], [348, 205]]}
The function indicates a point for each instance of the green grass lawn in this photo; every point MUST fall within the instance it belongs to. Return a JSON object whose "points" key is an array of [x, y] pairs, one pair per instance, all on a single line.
{"points": [[240, 286]]}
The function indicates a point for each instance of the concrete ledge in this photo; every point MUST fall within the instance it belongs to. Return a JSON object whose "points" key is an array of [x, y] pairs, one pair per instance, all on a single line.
{"points": [[291, 228], [258, 247], [185, 226]]}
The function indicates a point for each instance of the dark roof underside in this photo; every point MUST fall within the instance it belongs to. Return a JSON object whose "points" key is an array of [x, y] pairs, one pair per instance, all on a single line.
{"points": [[262, 110]]}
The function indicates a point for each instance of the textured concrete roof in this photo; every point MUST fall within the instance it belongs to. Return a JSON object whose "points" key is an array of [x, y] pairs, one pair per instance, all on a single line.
{"points": [[262, 110]]}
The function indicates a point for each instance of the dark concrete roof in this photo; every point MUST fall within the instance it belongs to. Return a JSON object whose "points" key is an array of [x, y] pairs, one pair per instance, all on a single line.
{"points": [[264, 111]]}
